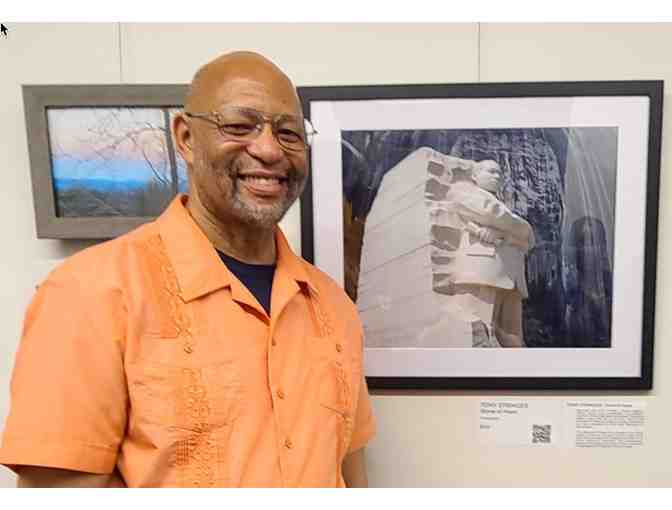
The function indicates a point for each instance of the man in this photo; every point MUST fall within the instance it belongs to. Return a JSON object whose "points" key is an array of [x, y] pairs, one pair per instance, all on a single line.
{"points": [[484, 273], [198, 350]]}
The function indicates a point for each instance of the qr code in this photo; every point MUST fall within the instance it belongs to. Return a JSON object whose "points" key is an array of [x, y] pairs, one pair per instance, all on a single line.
{"points": [[541, 433]]}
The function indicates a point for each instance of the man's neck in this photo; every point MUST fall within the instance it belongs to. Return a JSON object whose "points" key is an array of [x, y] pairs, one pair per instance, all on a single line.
{"points": [[240, 241]]}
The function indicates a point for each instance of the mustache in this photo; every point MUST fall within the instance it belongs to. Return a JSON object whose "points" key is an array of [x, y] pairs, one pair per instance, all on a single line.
{"points": [[294, 177]]}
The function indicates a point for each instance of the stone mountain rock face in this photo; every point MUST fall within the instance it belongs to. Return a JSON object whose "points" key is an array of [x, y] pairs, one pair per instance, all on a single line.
{"points": [[367, 157], [395, 294], [588, 285]]}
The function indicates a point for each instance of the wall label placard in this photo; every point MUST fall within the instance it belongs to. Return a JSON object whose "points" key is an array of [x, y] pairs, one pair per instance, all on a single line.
{"points": [[561, 423]]}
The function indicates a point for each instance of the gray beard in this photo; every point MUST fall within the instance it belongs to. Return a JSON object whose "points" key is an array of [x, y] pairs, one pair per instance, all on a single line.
{"points": [[263, 216], [256, 216]]}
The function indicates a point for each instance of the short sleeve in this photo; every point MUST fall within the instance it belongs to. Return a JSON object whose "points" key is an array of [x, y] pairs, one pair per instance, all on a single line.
{"points": [[68, 396], [364, 426]]}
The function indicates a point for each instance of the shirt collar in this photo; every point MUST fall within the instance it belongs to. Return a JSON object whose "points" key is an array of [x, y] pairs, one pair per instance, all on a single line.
{"points": [[198, 268]]}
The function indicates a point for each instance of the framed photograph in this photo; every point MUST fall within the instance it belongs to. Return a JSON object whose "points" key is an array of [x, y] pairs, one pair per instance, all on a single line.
{"points": [[493, 236], [101, 156]]}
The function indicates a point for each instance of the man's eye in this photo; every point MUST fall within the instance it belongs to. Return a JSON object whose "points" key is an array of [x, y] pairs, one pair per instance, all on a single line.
{"points": [[287, 135], [237, 128]]}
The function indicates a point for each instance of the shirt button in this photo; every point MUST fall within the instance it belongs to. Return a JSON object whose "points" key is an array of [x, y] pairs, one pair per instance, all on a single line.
{"points": [[288, 444], [339, 348], [280, 394], [273, 342]]}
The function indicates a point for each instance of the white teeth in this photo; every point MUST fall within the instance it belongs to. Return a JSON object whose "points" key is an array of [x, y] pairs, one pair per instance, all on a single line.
{"points": [[262, 180]]}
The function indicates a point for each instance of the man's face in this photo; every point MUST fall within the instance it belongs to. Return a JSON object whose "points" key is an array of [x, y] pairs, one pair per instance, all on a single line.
{"points": [[255, 182], [488, 176]]}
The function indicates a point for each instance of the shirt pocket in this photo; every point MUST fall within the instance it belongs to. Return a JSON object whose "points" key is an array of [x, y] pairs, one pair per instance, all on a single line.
{"points": [[334, 398], [187, 414], [184, 397]]}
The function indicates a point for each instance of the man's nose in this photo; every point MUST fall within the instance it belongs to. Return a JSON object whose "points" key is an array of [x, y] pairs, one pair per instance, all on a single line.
{"points": [[265, 146]]}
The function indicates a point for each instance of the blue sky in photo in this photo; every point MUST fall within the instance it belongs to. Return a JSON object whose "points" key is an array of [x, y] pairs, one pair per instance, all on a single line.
{"points": [[110, 147]]}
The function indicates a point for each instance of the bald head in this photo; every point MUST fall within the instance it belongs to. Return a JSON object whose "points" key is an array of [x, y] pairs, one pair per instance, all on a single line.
{"points": [[235, 180], [240, 65]]}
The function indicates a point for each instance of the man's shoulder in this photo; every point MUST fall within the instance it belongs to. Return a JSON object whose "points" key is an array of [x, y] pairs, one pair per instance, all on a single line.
{"points": [[107, 262], [469, 188], [329, 290], [470, 195], [338, 306]]}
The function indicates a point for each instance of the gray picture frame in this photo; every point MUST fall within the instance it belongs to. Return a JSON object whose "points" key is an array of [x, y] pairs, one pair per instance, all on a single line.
{"points": [[37, 99]]}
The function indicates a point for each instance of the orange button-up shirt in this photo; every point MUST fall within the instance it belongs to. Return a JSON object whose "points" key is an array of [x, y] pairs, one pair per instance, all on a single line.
{"points": [[147, 354]]}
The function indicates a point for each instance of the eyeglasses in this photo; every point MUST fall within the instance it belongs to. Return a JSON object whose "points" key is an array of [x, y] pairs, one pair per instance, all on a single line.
{"points": [[246, 124]]}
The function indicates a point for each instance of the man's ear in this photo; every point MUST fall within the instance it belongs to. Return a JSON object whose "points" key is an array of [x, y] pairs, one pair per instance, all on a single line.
{"points": [[183, 137]]}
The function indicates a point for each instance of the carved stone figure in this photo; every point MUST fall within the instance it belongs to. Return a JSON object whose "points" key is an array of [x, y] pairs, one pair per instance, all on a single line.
{"points": [[478, 256]]}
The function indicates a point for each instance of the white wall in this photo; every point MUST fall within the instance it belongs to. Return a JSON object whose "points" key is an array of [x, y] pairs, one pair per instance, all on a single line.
{"points": [[423, 440]]}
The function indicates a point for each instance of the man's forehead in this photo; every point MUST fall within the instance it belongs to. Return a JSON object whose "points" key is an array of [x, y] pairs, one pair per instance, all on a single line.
{"points": [[243, 78], [269, 97]]}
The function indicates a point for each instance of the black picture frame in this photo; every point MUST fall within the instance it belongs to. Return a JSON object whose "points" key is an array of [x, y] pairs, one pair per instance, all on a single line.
{"points": [[406, 368]]}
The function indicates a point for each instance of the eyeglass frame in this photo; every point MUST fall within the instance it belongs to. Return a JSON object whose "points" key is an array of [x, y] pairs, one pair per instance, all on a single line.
{"points": [[271, 120]]}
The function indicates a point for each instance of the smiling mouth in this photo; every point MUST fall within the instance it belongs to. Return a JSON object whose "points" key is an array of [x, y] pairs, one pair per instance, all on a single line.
{"points": [[265, 187], [263, 181]]}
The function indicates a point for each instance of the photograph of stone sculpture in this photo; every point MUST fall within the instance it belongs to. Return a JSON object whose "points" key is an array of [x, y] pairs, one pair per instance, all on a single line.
{"points": [[113, 161], [481, 238]]}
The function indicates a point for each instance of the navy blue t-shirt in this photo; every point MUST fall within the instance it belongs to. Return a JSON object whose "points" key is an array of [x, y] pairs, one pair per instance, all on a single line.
{"points": [[258, 278]]}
